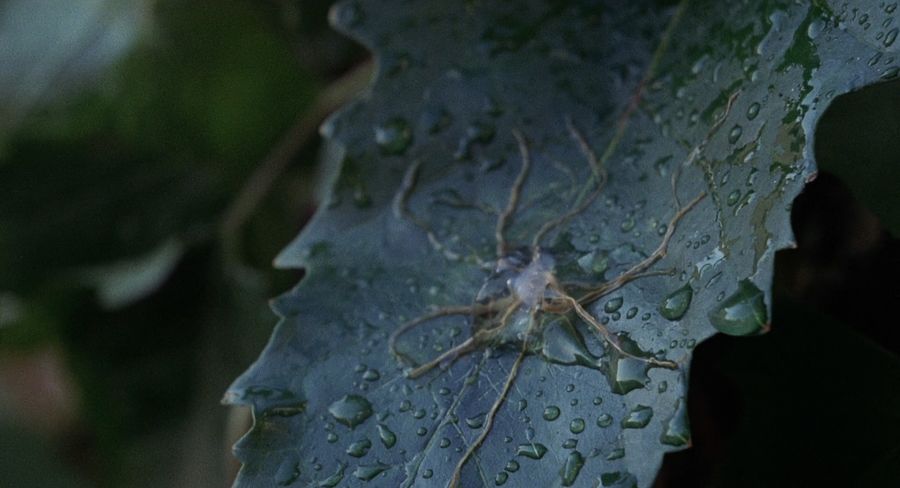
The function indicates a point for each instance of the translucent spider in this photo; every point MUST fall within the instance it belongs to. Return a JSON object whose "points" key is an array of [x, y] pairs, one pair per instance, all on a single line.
{"points": [[522, 286]]}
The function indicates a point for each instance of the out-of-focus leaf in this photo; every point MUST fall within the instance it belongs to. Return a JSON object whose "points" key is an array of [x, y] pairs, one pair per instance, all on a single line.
{"points": [[153, 153], [120, 284], [723, 94], [49, 49]]}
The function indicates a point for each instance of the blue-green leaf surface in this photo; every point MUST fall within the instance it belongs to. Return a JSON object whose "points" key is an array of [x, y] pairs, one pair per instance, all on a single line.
{"points": [[707, 102]]}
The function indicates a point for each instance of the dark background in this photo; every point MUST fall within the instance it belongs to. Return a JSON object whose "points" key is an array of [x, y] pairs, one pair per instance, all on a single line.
{"points": [[155, 155]]}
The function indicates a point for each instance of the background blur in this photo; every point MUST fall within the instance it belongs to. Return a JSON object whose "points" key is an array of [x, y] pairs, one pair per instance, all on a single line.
{"points": [[155, 155]]}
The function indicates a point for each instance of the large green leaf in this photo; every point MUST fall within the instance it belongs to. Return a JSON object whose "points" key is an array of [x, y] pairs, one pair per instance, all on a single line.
{"points": [[700, 116]]}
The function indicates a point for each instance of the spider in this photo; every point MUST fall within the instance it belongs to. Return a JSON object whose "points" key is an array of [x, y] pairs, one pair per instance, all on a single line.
{"points": [[523, 286]]}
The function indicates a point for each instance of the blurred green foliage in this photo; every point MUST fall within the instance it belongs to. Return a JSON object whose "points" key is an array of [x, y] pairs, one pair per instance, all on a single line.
{"points": [[113, 186]]}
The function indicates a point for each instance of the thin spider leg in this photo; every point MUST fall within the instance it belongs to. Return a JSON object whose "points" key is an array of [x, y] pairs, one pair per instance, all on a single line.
{"points": [[514, 192], [441, 312], [461, 349], [492, 413], [468, 345], [598, 174], [641, 267], [610, 338], [402, 211]]}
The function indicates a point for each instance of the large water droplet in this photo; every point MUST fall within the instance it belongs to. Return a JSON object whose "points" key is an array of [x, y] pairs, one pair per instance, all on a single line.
{"points": [[613, 305], [394, 136], [351, 410], [476, 421], [388, 438], [533, 450], [676, 304], [359, 448], [551, 413], [334, 479], [571, 468], [288, 471], [563, 344], [604, 420], [576, 426], [627, 372], [638, 417], [677, 431], [367, 472], [742, 313], [501, 478]]}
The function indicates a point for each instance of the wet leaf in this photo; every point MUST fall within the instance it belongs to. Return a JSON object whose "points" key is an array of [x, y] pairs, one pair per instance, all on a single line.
{"points": [[694, 121]]}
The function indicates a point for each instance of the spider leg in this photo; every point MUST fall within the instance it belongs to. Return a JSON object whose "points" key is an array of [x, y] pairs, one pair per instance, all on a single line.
{"points": [[492, 413], [440, 312], [610, 338], [514, 192], [582, 202], [402, 211]]}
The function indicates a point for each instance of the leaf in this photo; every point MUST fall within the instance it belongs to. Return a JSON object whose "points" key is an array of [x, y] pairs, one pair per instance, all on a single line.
{"points": [[698, 118]]}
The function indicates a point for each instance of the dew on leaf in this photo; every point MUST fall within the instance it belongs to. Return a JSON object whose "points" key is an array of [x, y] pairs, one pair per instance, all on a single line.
{"points": [[532, 450], [351, 410], [638, 417], [444, 443], [388, 438], [742, 313], [677, 431], [576, 426], [512, 466], [570, 444], [571, 468], [476, 421], [288, 472], [735, 133], [617, 453], [368, 472], [501, 478], [551, 413], [359, 448], [334, 479], [394, 136], [675, 305], [613, 305], [604, 420]]}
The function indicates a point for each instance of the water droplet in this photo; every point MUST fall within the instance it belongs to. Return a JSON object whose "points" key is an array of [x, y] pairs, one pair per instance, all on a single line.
{"points": [[628, 225], [421, 431], [677, 430], [617, 453], [359, 448], [610, 478], [570, 444], [371, 375], [571, 468], [733, 198], [523, 404], [501, 478], [891, 37], [638, 417], [444, 443], [367, 472], [631, 313], [563, 344], [676, 304], [742, 313], [394, 136], [598, 401], [351, 410], [604, 420], [405, 406], [419, 413], [512, 466], [331, 438], [427, 474], [735, 133], [576, 426], [532, 451], [613, 305], [388, 438], [476, 421], [551, 413], [334, 479], [288, 471], [596, 263]]}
